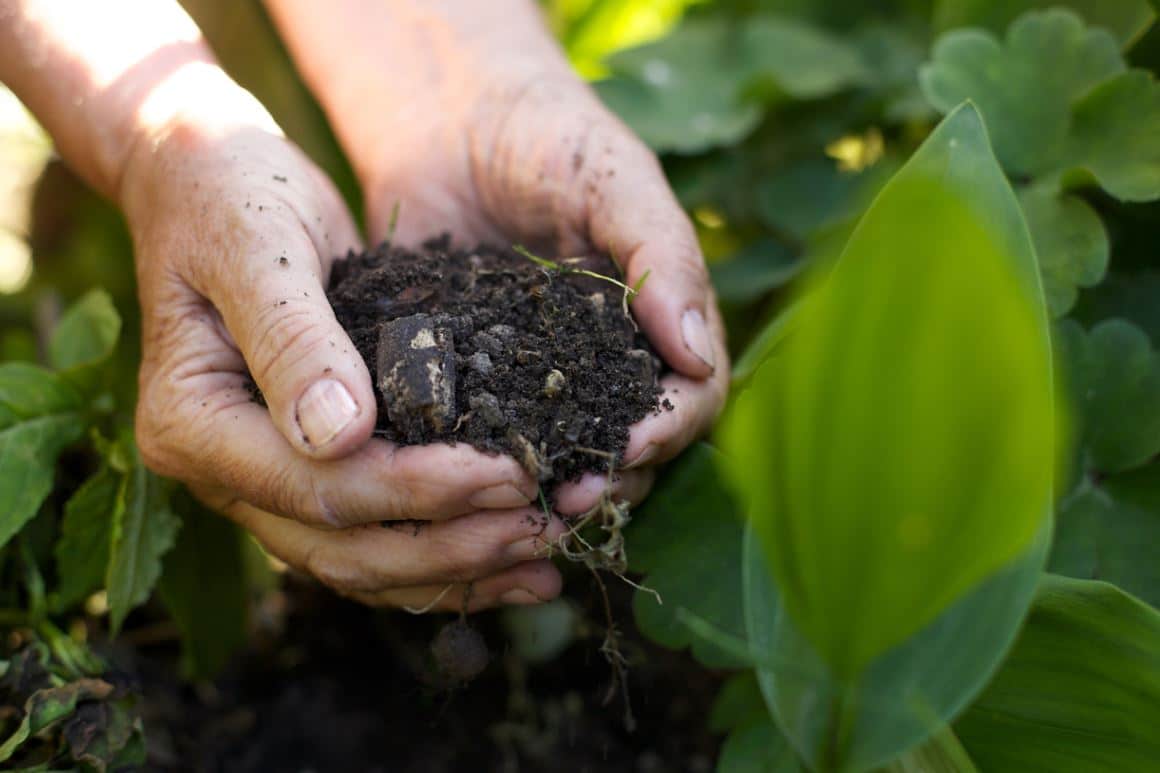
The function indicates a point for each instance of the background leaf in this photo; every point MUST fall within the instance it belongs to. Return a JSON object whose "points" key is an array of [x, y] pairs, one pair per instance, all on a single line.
{"points": [[1114, 376], [87, 332], [1070, 242], [204, 588], [144, 529], [1081, 690], [1111, 531], [82, 553], [1025, 86], [1126, 19], [686, 538], [39, 416]]}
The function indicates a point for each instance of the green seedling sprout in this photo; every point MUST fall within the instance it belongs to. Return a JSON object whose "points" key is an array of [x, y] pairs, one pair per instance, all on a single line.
{"points": [[630, 292]]}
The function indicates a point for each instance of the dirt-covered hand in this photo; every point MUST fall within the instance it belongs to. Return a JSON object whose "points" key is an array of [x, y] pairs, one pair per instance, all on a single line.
{"points": [[467, 116], [234, 231]]}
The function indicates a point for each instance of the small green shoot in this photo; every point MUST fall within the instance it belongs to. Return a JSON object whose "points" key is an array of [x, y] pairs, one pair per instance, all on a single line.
{"points": [[630, 292], [394, 222]]}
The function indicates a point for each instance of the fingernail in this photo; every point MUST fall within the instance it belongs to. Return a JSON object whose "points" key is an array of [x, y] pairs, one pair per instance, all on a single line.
{"points": [[696, 335], [325, 410], [645, 456], [499, 496], [519, 596]]}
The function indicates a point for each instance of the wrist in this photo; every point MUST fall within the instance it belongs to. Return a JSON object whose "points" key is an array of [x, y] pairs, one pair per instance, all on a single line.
{"points": [[192, 110], [411, 74]]}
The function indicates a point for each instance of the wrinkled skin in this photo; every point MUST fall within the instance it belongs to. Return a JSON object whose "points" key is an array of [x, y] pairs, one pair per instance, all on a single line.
{"points": [[470, 119]]}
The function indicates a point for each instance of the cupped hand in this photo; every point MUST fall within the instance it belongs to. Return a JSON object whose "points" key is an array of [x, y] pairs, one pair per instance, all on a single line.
{"points": [[538, 160], [234, 231]]}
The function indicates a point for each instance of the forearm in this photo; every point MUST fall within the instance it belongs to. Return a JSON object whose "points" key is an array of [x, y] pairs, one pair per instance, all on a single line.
{"points": [[101, 76], [378, 66]]}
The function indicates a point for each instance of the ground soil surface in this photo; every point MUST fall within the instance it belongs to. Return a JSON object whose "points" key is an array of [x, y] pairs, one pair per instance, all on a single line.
{"points": [[489, 347], [346, 688]]}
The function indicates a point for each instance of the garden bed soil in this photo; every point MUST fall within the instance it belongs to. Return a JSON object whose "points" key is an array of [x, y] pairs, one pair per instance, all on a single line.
{"points": [[347, 688], [491, 348]]}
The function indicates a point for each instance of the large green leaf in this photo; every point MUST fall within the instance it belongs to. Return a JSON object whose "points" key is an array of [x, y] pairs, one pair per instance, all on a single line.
{"points": [[1079, 693], [39, 416], [883, 440], [907, 694], [1126, 19], [1114, 376], [144, 529], [1111, 532], [204, 587], [687, 540], [1024, 87], [87, 332], [685, 93], [1071, 244], [82, 554]]}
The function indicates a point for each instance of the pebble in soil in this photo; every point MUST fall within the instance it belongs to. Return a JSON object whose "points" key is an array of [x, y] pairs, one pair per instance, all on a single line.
{"points": [[489, 348]]}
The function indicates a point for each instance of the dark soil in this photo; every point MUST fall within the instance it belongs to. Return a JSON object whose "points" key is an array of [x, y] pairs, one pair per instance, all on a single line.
{"points": [[489, 348], [346, 688]]}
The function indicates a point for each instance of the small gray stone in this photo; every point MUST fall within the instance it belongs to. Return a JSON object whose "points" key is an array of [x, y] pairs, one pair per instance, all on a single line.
{"points": [[480, 362], [416, 367]]}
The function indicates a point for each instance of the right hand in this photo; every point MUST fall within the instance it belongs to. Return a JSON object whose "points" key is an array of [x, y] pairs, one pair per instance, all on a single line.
{"points": [[234, 232]]}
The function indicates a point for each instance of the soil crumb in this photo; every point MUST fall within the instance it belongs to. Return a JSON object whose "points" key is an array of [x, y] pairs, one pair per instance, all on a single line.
{"points": [[486, 347]]}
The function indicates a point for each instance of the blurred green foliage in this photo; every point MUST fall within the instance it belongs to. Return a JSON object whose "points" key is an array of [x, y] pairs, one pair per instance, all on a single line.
{"points": [[779, 122]]}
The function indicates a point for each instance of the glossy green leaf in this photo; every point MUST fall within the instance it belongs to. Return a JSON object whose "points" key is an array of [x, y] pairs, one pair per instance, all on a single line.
{"points": [[905, 697], [1070, 241], [144, 529], [685, 93], [1025, 86], [82, 554], [204, 587], [86, 333], [1114, 376], [883, 430], [1079, 693], [1126, 19], [39, 416], [686, 538], [1112, 532]]}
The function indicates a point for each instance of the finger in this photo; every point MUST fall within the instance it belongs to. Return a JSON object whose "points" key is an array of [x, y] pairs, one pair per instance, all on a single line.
{"points": [[532, 582], [633, 215], [630, 486], [372, 559], [269, 289], [203, 428], [695, 406]]}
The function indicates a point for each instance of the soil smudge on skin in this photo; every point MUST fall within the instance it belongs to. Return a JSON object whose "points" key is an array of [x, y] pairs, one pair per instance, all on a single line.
{"points": [[486, 347]]}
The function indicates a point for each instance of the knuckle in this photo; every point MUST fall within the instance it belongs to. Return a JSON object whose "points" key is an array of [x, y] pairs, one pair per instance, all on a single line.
{"points": [[287, 332]]}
